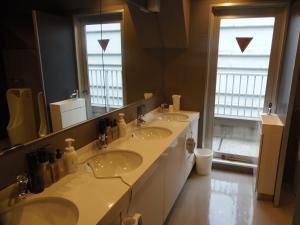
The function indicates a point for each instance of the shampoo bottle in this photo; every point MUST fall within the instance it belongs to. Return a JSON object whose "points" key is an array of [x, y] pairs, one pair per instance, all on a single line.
{"points": [[60, 163], [53, 167], [36, 181], [70, 157], [45, 166], [108, 131], [115, 130]]}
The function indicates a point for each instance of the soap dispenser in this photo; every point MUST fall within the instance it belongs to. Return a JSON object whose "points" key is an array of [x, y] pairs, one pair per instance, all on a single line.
{"points": [[70, 156]]}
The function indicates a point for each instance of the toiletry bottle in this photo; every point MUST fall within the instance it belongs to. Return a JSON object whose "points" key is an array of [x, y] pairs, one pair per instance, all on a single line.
{"points": [[102, 134], [60, 163], [70, 156], [36, 181], [112, 130], [53, 167], [108, 131], [115, 130], [45, 167], [122, 125]]}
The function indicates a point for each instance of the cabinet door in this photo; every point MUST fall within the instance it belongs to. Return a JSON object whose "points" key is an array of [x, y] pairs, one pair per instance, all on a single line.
{"points": [[174, 172], [148, 201]]}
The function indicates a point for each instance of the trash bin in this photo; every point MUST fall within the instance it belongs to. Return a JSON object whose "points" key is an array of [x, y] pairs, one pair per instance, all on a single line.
{"points": [[204, 158]]}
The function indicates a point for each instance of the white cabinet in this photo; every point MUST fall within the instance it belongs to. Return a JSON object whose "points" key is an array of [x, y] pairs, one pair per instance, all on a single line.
{"points": [[156, 197], [179, 163], [174, 173], [271, 135], [148, 200]]}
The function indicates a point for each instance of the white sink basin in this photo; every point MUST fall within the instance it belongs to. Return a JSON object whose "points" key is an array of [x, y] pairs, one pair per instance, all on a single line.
{"points": [[114, 163], [173, 117], [152, 133], [41, 211]]}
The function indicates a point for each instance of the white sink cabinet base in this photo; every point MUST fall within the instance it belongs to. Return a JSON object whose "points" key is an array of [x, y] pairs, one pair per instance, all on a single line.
{"points": [[156, 197]]}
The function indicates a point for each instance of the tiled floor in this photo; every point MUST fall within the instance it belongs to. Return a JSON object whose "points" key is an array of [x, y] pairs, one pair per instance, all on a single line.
{"points": [[236, 146], [226, 198]]}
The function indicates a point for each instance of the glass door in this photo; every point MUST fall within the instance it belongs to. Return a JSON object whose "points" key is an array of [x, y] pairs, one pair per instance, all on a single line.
{"points": [[241, 79]]}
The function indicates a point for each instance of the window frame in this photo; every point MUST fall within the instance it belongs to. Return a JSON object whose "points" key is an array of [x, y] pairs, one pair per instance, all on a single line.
{"points": [[240, 10]]}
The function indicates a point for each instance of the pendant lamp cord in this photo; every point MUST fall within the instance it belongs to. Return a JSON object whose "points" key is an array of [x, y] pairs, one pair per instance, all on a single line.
{"points": [[102, 58]]}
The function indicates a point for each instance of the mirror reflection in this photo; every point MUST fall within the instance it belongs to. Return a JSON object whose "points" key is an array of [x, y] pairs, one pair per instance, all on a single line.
{"points": [[58, 70]]}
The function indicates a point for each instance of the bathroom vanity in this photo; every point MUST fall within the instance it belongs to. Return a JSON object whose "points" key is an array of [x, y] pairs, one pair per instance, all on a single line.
{"points": [[142, 173]]}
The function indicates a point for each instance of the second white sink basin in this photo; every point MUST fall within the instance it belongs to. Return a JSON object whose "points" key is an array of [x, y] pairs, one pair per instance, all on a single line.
{"points": [[173, 117], [114, 163], [41, 211], [152, 133]]}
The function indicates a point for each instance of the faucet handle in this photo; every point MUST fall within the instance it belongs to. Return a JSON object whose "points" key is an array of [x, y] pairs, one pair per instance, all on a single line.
{"points": [[74, 94]]}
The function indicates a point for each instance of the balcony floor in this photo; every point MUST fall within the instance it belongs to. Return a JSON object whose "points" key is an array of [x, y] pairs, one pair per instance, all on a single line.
{"points": [[236, 146]]}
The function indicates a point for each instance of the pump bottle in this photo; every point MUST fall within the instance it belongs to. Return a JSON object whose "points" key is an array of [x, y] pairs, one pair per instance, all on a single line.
{"points": [[70, 157]]}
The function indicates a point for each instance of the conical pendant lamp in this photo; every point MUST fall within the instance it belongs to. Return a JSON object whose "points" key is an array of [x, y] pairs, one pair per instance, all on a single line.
{"points": [[243, 42], [103, 43]]}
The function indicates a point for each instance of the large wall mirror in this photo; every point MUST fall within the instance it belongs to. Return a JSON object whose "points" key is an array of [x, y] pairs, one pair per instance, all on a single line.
{"points": [[59, 69]]}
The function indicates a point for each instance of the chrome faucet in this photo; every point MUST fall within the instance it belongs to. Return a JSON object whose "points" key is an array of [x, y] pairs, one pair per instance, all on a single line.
{"points": [[75, 94], [164, 107], [22, 183], [102, 141], [102, 138], [270, 108], [139, 115]]}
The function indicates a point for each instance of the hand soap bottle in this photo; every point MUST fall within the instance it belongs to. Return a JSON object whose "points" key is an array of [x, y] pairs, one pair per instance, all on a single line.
{"points": [[70, 157], [122, 125]]}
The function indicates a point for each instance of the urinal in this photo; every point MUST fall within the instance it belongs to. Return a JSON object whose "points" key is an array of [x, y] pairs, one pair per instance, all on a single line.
{"points": [[21, 127], [43, 130]]}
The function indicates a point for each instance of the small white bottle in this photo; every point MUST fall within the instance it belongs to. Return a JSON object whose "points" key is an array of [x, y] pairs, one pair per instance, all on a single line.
{"points": [[70, 157], [122, 125]]}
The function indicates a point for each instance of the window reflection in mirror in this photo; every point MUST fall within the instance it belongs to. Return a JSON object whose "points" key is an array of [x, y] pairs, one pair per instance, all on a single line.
{"points": [[104, 68], [53, 77]]}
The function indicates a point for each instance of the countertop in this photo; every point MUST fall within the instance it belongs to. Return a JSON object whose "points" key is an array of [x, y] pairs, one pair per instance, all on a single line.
{"points": [[99, 199]]}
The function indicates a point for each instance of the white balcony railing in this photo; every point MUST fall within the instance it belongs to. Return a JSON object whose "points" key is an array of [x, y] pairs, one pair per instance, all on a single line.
{"points": [[240, 95], [106, 87]]}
